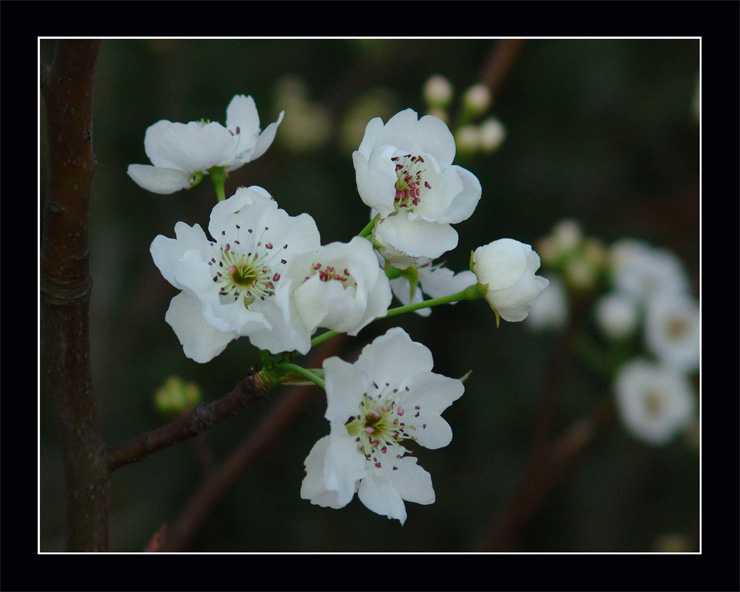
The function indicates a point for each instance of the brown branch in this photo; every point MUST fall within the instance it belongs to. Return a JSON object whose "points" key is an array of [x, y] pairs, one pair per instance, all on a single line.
{"points": [[499, 62], [67, 86], [212, 489], [199, 420]]}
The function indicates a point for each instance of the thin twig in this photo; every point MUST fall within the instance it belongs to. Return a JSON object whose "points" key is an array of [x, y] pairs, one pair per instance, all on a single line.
{"points": [[204, 499], [67, 86], [200, 419]]}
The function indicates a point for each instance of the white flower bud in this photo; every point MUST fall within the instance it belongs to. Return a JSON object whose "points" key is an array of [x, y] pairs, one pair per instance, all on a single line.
{"points": [[508, 268], [477, 99], [492, 134], [438, 91]]}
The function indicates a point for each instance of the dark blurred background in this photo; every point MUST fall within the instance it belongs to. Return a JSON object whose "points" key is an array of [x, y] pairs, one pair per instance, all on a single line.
{"points": [[602, 131]]}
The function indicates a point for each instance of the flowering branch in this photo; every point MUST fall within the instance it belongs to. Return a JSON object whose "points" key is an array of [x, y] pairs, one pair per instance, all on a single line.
{"points": [[67, 85], [200, 419]]}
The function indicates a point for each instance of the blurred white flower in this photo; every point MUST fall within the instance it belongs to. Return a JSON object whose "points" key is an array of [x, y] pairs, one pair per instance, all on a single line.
{"points": [[644, 271], [437, 91], [341, 287], [492, 134], [550, 308], [617, 315], [404, 171], [468, 139], [655, 402], [180, 151], [477, 99], [228, 284], [508, 268], [389, 395], [435, 281], [672, 330]]}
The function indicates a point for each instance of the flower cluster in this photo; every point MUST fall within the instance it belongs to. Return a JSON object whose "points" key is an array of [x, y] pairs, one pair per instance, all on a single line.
{"points": [[645, 314], [263, 274]]}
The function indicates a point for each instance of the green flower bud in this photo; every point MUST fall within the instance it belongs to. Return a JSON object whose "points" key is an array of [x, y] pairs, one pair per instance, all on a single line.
{"points": [[176, 396]]}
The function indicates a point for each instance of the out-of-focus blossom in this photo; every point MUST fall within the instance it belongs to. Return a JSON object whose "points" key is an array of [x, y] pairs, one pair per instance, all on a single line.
{"points": [[655, 402], [672, 330]]}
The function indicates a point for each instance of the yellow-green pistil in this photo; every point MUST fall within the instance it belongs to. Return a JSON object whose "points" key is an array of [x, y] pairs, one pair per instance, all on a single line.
{"points": [[243, 275], [378, 425]]}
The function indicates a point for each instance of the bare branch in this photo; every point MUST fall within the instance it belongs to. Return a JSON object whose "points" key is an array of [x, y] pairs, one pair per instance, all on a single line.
{"points": [[202, 418]]}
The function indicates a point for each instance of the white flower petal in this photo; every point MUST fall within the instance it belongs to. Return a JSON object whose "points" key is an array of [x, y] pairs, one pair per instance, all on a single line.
{"points": [[168, 253], [376, 178], [242, 113], [405, 241], [313, 487], [465, 200], [441, 281], [380, 496], [193, 146], [159, 180], [434, 392], [345, 384], [265, 139], [345, 465], [389, 357], [413, 483], [246, 207], [200, 341]]}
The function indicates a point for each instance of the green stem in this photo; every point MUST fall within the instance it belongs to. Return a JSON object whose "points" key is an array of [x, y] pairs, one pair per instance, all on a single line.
{"points": [[323, 337], [473, 292], [218, 178], [295, 369], [365, 232]]}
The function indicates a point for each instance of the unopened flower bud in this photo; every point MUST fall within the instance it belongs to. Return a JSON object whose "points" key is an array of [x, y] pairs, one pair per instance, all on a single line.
{"points": [[176, 396], [492, 134], [477, 99], [437, 91]]}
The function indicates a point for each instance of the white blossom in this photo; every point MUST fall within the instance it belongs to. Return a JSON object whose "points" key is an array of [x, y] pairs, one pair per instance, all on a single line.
{"points": [[655, 402], [672, 330], [508, 268], [389, 395], [228, 284], [180, 151], [617, 314], [643, 271], [340, 287], [404, 171]]}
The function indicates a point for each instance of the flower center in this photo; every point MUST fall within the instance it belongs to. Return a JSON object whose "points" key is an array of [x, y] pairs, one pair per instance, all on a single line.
{"points": [[378, 425], [327, 273], [653, 404], [676, 328], [410, 183], [244, 275]]}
